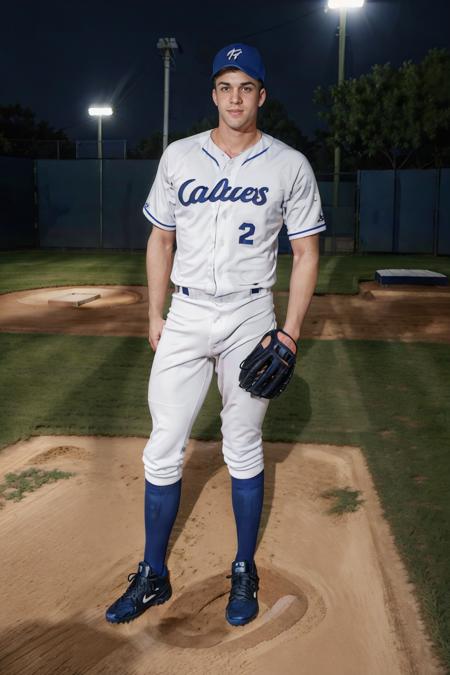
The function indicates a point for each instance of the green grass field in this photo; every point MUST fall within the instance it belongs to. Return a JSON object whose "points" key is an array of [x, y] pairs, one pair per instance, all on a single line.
{"points": [[392, 399], [39, 269]]}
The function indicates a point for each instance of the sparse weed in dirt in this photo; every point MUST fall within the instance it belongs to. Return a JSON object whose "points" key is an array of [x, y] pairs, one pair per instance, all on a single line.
{"points": [[16, 484], [347, 499]]}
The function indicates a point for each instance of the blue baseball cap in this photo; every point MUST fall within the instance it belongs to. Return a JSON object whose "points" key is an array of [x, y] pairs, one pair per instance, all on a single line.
{"points": [[244, 57]]}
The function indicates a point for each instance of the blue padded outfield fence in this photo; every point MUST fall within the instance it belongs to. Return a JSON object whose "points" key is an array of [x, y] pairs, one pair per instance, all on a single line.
{"points": [[404, 211], [91, 203]]}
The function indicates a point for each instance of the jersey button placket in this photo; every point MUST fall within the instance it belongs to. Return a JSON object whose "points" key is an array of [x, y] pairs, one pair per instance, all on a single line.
{"points": [[212, 261], [234, 220], [222, 224], [213, 209], [216, 243]]}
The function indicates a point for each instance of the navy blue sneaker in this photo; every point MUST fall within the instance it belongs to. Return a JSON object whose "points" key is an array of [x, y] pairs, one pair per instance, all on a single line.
{"points": [[243, 600], [146, 589]]}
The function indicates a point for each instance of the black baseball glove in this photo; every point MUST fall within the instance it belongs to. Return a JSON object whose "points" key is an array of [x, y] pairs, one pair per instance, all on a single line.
{"points": [[267, 370]]}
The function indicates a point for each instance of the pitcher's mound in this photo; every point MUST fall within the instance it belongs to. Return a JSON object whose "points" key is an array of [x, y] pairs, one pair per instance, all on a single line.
{"points": [[334, 596]]}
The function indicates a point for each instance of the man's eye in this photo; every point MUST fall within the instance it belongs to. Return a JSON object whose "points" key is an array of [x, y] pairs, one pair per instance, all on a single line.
{"points": [[247, 90]]}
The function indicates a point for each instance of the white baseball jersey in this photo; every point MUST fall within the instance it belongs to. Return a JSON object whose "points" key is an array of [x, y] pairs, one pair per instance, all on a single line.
{"points": [[227, 212]]}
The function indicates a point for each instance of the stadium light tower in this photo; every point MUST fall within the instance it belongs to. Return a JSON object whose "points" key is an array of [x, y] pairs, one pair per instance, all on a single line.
{"points": [[100, 112], [167, 47], [342, 6]]}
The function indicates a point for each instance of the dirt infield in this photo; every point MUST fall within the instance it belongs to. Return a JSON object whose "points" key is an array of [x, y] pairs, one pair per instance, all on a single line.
{"points": [[334, 598], [408, 313]]}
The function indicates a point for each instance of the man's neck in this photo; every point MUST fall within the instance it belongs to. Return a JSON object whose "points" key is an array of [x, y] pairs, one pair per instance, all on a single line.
{"points": [[234, 142]]}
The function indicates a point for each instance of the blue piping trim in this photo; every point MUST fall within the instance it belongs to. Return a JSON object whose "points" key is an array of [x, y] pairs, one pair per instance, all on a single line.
{"points": [[316, 227], [156, 219], [207, 153], [253, 157]]}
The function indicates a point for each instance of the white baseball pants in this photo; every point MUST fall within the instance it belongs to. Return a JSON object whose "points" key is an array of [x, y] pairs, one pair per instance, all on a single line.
{"points": [[202, 334]]}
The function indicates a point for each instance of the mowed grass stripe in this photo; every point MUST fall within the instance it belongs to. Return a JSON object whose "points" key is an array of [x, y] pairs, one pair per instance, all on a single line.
{"points": [[21, 270], [61, 382]]}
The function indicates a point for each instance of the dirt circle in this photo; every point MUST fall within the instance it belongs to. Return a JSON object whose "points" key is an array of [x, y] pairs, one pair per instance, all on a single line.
{"points": [[396, 313], [108, 296], [196, 618]]}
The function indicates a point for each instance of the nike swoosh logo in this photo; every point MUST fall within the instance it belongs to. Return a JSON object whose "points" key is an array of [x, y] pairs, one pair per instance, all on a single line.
{"points": [[147, 599]]}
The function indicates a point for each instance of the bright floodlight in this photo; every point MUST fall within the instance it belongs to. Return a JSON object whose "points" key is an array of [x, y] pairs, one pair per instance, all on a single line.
{"points": [[96, 111], [344, 4]]}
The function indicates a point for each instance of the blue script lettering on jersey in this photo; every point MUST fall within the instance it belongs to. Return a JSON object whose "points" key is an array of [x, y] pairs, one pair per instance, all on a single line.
{"points": [[222, 191]]}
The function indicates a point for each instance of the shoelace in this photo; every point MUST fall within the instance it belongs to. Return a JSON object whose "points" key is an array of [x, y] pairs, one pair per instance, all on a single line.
{"points": [[137, 585], [243, 586]]}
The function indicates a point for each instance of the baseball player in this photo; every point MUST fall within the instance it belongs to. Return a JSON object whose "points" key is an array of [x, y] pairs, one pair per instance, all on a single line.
{"points": [[223, 195]]}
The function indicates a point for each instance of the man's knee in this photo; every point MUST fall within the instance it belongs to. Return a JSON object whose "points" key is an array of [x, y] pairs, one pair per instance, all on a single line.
{"points": [[163, 458], [244, 461]]}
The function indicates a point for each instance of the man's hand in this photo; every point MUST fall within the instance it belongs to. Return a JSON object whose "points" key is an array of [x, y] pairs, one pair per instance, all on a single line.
{"points": [[155, 329], [267, 370], [285, 339]]}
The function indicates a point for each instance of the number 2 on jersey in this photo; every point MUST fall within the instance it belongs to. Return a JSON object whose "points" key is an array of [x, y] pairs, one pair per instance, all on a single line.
{"points": [[244, 238]]}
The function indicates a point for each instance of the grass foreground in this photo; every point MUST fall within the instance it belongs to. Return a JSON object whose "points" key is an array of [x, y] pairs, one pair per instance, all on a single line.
{"points": [[16, 485]]}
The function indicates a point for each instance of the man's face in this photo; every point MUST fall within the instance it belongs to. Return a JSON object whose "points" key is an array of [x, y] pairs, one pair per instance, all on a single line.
{"points": [[238, 97]]}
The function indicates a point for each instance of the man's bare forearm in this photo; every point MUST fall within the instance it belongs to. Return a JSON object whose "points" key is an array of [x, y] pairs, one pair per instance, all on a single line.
{"points": [[305, 269], [159, 263]]}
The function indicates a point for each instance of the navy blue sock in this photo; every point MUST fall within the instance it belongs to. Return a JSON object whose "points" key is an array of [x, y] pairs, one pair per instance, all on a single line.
{"points": [[247, 496], [161, 508]]}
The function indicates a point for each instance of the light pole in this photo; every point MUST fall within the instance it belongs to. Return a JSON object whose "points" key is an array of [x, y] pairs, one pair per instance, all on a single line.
{"points": [[100, 112], [342, 6], [166, 46]]}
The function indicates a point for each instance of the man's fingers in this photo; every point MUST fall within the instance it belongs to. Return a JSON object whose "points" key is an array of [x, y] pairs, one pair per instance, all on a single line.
{"points": [[155, 333], [288, 341]]}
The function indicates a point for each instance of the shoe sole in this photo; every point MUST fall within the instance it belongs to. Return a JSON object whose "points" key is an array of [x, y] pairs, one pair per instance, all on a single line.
{"points": [[159, 601], [241, 622]]}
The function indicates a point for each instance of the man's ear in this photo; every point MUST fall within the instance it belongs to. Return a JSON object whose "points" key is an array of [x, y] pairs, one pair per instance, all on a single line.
{"points": [[262, 97], [214, 95]]}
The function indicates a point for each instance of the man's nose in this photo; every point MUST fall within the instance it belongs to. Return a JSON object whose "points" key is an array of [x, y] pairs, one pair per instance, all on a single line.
{"points": [[236, 95]]}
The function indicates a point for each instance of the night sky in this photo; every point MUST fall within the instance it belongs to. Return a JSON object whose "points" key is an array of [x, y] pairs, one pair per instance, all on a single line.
{"points": [[60, 57]]}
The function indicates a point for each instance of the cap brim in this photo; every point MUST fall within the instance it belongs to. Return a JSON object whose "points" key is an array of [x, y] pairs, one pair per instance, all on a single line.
{"points": [[248, 71]]}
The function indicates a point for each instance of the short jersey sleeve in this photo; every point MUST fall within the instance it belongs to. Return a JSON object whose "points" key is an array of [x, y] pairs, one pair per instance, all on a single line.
{"points": [[159, 206], [302, 211]]}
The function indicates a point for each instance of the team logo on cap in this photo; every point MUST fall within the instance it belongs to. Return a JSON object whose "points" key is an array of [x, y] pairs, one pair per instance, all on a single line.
{"points": [[234, 53]]}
